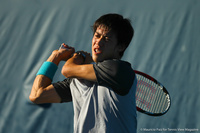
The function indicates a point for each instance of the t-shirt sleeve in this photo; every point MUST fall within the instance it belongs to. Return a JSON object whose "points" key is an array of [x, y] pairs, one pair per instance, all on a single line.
{"points": [[63, 90], [116, 74]]}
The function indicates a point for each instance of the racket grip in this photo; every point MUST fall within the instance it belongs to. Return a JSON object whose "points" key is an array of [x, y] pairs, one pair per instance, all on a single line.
{"points": [[62, 47]]}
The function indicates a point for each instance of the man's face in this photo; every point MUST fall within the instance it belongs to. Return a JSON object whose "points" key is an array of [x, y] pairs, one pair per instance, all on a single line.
{"points": [[104, 45]]}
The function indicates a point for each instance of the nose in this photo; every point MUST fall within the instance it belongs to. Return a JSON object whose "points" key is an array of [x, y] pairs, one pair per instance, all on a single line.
{"points": [[99, 41]]}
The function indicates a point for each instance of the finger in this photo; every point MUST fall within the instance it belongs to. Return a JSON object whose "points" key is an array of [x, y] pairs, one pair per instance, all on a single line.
{"points": [[76, 54], [86, 53]]}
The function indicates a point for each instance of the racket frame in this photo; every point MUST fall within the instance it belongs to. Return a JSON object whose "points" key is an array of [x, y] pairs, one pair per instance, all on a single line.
{"points": [[164, 90]]}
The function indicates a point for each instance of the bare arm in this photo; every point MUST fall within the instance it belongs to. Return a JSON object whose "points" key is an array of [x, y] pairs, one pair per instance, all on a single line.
{"points": [[76, 68], [42, 90]]}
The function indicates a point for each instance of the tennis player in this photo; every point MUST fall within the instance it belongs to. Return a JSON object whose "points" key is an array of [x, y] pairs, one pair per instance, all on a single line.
{"points": [[102, 87]]}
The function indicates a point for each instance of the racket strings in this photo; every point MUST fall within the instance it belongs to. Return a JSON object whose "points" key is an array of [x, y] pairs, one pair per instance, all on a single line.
{"points": [[150, 96]]}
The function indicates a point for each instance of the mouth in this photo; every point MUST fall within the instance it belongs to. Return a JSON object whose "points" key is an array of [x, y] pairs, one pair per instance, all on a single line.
{"points": [[97, 51]]}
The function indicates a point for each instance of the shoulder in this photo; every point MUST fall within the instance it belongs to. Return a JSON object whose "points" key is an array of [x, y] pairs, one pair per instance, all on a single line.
{"points": [[117, 74], [114, 64], [115, 67]]}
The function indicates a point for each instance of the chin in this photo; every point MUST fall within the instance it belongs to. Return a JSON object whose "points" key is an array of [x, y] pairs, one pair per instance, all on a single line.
{"points": [[96, 59]]}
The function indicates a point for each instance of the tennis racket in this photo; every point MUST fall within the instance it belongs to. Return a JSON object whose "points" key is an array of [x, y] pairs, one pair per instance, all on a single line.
{"points": [[152, 97]]}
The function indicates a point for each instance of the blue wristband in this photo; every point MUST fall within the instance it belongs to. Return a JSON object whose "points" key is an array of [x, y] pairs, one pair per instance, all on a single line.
{"points": [[48, 69]]}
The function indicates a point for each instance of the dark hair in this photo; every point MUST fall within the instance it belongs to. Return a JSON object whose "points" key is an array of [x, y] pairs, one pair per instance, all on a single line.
{"points": [[121, 26]]}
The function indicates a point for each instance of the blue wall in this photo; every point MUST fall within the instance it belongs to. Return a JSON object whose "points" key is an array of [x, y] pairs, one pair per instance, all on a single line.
{"points": [[166, 45]]}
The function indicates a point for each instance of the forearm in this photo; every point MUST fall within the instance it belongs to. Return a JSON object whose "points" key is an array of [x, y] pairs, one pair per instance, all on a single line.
{"points": [[54, 57], [42, 82], [74, 68], [43, 91]]}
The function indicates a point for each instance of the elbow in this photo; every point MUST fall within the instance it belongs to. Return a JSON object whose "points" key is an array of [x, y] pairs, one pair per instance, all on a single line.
{"points": [[35, 98], [32, 99], [65, 72]]}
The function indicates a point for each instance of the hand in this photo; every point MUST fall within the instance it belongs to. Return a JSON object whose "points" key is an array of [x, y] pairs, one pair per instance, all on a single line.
{"points": [[65, 52], [78, 67], [82, 57], [88, 57]]}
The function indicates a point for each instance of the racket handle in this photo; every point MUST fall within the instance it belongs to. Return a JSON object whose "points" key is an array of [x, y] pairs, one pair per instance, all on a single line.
{"points": [[62, 47]]}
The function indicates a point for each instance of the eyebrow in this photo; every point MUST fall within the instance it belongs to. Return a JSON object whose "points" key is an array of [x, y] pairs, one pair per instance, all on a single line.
{"points": [[103, 35]]}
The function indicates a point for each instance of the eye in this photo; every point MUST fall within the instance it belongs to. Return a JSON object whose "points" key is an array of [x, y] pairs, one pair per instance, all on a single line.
{"points": [[97, 35], [107, 39]]}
